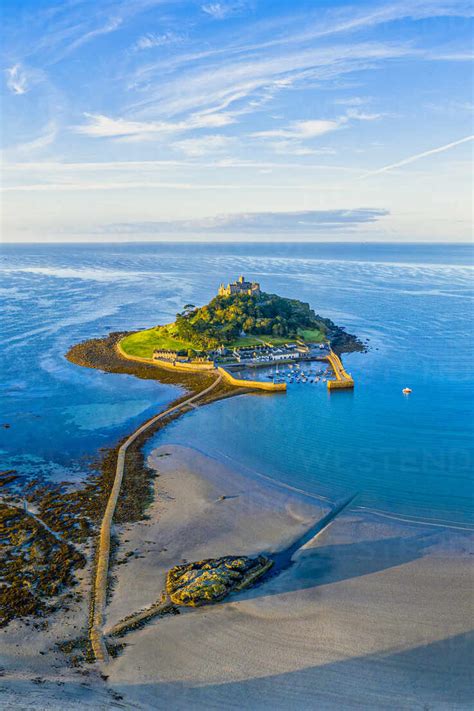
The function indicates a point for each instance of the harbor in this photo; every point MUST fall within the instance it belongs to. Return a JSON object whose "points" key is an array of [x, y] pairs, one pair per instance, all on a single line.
{"points": [[318, 364], [306, 373]]}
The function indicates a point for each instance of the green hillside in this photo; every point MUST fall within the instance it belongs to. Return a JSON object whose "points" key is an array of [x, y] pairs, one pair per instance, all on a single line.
{"points": [[234, 321]]}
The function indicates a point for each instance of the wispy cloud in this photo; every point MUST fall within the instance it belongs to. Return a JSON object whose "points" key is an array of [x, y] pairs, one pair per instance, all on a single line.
{"points": [[51, 34], [110, 26], [417, 156], [240, 81], [352, 101], [196, 147], [215, 9], [100, 126], [460, 56], [276, 55], [17, 79], [195, 185], [47, 168], [298, 148], [45, 139], [237, 99], [301, 129], [298, 132], [300, 222], [221, 10], [151, 40]]}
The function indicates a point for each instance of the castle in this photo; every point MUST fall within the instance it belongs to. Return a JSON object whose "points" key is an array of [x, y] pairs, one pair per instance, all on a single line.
{"points": [[251, 288]]}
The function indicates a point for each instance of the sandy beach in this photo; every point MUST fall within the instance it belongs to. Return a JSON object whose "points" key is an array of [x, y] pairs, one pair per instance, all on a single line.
{"points": [[372, 614]]}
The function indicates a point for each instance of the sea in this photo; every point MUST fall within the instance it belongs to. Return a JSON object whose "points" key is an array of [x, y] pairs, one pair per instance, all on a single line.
{"points": [[408, 457]]}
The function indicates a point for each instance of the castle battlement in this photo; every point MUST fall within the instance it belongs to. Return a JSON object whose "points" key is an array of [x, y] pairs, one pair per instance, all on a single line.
{"points": [[251, 288]]}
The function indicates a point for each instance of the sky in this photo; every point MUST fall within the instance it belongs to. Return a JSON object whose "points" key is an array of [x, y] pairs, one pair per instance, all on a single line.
{"points": [[242, 119]]}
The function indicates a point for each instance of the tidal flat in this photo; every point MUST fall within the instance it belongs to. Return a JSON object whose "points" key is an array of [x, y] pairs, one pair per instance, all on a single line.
{"points": [[363, 614], [381, 606]]}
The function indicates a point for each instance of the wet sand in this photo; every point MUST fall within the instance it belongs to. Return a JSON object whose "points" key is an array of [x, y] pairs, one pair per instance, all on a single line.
{"points": [[373, 614]]}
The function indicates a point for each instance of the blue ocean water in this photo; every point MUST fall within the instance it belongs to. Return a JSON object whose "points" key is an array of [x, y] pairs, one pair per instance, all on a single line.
{"points": [[411, 456]]}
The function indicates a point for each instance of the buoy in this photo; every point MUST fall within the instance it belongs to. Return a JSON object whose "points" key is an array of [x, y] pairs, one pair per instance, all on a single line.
{"points": [[406, 391]]}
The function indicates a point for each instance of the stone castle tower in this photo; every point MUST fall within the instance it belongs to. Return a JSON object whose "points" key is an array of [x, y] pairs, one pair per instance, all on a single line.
{"points": [[251, 288]]}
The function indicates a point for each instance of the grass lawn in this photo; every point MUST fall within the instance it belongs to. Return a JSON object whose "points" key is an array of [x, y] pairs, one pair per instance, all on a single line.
{"points": [[277, 340], [258, 340], [245, 341], [143, 343], [312, 335]]}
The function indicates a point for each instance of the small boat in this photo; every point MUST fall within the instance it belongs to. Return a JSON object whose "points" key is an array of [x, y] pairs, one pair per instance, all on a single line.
{"points": [[406, 391]]}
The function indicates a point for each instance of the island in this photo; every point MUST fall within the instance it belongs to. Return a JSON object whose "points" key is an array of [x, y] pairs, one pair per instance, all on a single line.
{"points": [[243, 326]]}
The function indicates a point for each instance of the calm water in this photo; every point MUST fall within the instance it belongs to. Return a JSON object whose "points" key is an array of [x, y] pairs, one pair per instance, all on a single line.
{"points": [[405, 455]]}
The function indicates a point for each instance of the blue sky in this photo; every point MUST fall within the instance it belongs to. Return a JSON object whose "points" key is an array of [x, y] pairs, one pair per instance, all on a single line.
{"points": [[161, 119]]}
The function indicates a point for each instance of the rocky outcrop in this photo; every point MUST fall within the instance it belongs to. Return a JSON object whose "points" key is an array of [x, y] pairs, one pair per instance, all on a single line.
{"points": [[211, 580]]}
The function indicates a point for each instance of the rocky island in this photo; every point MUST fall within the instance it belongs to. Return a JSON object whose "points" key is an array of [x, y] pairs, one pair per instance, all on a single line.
{"points": [[242, 321]]}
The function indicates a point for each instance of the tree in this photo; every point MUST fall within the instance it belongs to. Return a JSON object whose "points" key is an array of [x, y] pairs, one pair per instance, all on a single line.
{"points": [[223, 319], [249, 324]]}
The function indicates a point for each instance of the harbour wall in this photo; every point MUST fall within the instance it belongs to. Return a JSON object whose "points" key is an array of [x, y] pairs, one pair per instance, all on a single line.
{"points": [[256, 384], [343, 379]]}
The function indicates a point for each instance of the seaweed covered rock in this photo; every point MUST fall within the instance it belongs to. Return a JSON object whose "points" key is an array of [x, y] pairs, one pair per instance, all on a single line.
{"points": [[213, 579], [35, 566]]}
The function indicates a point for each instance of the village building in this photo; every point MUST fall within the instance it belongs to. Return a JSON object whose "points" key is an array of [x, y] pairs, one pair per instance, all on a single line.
{"points": [[171, 356], [251, 288], [177, 356]]}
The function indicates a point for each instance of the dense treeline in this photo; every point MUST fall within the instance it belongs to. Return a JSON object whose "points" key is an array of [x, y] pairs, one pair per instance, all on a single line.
{"points": [[224, 319]]}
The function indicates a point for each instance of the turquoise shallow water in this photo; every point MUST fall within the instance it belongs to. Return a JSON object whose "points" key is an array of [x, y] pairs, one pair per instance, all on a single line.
{"points": [[410, 456]]}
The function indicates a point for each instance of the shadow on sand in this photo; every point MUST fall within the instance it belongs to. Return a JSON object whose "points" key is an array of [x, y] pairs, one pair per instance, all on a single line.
{"points": [[325, 564], [437, 675]]}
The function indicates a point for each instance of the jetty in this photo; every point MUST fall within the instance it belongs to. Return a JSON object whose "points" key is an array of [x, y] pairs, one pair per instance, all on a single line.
{"points": [[342, 378]]}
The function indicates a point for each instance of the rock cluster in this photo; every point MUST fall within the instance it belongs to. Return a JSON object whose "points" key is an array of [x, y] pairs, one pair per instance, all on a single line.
{"points": [[213, 579]]}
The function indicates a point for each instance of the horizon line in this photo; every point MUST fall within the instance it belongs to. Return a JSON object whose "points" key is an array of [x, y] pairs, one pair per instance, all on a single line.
{"points": [[267, 242]]}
